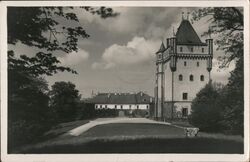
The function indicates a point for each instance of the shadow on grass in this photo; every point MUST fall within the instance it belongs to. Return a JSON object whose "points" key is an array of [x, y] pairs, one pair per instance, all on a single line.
{"points": [[148, 145]]}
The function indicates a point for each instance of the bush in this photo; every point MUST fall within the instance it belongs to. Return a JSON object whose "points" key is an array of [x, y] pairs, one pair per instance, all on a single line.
{"points": [[206, 109]]}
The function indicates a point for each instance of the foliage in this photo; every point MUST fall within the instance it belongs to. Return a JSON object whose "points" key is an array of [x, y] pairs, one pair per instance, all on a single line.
{"points": [[206, 109], [227, 24], [40, 28], [28, 109], [64, 101], [233, 101]]}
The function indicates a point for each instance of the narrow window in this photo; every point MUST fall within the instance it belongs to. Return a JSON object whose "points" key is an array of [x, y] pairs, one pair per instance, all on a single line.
{"points": [[202, 50], [115, 106], [147, 106], [180, 49], [185, 63], [106, 106], [191, 78], [184, 112], [180, 77], [192, 49], [129, 106], [96, 106], [202, 78], [184, 96], [121, 106], [137, 106], [198, 64]]}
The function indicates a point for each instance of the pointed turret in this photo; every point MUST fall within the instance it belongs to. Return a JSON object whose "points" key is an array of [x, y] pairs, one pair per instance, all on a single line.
{"points": [[162, 48]]}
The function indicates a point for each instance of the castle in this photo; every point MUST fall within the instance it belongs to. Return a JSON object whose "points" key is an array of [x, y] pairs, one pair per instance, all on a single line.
{"points": [[183, 68]]}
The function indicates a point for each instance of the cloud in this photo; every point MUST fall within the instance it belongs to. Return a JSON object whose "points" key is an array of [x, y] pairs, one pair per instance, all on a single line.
{"points": [[138, 50], [74, 58]]}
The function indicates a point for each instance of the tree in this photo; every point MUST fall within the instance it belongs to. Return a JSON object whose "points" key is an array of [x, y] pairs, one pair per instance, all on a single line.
{"points": [[29, 114], [40, 27], [206, 109], [64, 101], [228, 25], [233, 101]]}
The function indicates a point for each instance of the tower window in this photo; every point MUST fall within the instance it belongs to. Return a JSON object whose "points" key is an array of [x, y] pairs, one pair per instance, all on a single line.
{"points": [[180, 77], [180, 49], [184, 112], [192, 49], [202, 50], [184, 96], [202, 77], [185, 63], [191, 78], [198, 64]]}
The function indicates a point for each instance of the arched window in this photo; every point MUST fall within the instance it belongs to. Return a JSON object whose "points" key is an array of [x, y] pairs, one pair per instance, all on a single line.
{"points": [[198, 64], [191, 78], [202, 77], [180, 77]]}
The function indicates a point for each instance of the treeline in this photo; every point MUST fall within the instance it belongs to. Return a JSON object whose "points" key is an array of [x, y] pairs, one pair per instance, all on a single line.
{"points": [[33, 109], [221, 108]]}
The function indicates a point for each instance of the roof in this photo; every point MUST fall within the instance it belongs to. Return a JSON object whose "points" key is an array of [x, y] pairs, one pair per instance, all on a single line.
{"points": [[120, 98], [162, 48], [186, 35]]}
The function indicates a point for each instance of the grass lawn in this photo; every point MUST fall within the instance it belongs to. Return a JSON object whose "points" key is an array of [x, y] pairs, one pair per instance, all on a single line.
{"points": [[139, 138]]}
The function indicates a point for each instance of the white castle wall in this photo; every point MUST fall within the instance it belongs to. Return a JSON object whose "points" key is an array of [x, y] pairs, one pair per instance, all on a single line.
{"points": [[186, 86], [196, 49]]}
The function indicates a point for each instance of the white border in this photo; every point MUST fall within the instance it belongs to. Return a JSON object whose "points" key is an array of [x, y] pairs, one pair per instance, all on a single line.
{"points": [[120, 157]]}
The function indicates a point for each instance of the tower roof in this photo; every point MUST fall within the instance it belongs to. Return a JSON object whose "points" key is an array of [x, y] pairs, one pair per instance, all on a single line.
{"points": [[162, 48], [186, 35]]}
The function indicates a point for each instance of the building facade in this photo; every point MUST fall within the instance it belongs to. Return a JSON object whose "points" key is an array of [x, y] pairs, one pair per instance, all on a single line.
{"points": [[122, 101], [183, 68]]}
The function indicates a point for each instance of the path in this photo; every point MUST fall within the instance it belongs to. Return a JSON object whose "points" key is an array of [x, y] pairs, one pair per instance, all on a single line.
{"points": [[81, 129]]}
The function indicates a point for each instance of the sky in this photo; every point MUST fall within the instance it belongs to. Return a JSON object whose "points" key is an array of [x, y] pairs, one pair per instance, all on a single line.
{"points": [[119, 55]]}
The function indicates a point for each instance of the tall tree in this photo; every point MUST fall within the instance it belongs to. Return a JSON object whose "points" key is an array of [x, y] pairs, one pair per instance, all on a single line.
{"points": [[29, 114], [64, 101], [227, 24]]}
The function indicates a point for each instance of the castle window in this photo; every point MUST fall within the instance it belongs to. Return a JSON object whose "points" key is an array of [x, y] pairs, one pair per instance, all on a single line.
{"points": [[180, 77], [180, 49], [184, 96], [184, 112], [129, 106], [191, 78], [96, 106], [192, 49], [106, 106], [137, 106], [202, 50], [121, 106], [198, 64], [202, 77], [115, 106], [185, 63]]}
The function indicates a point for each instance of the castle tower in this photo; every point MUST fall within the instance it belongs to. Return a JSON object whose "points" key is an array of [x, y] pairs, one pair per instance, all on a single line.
{"points": [[182, 70]]}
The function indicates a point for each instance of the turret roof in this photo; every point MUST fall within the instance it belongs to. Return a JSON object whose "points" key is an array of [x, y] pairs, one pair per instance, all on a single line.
{"points": [[162, 48], [186, 35]]}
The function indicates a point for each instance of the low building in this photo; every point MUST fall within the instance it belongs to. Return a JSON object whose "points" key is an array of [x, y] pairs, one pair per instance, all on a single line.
{"points": [[122, 101]]}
